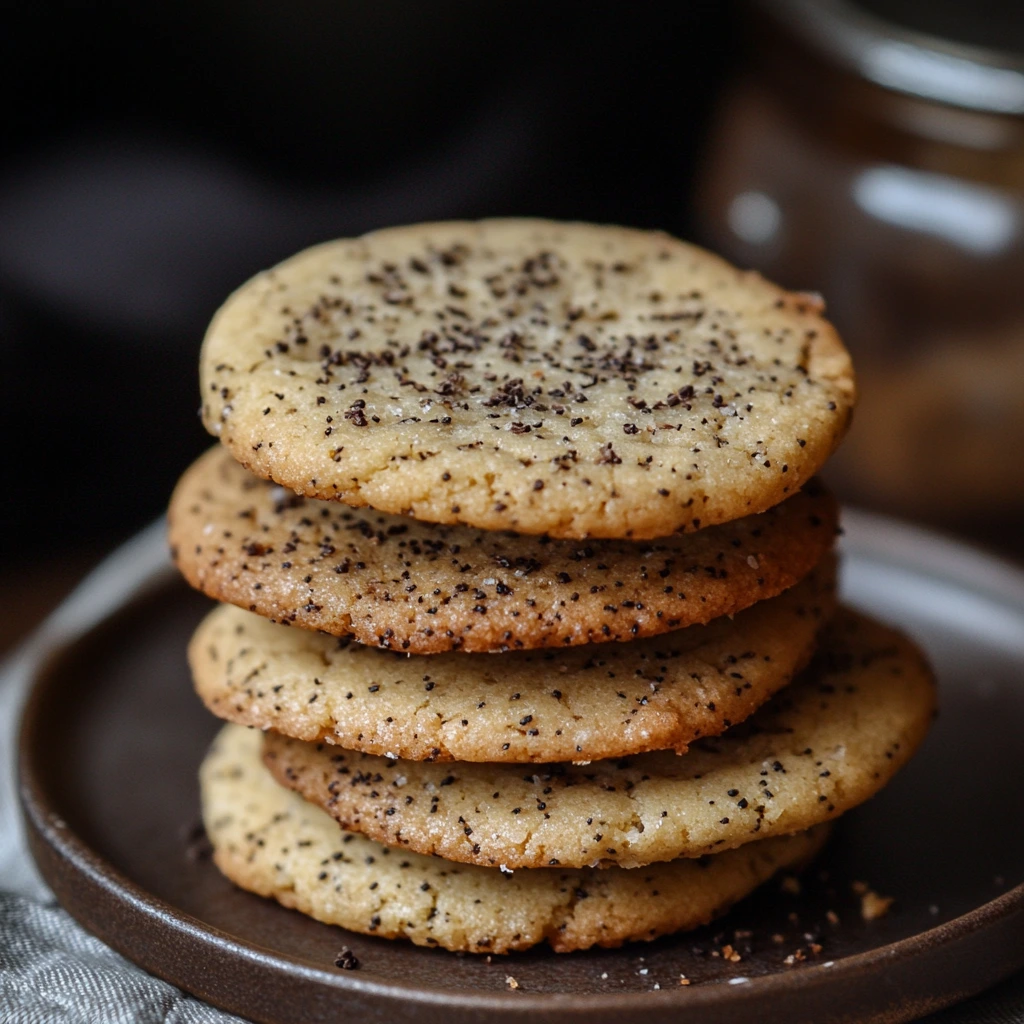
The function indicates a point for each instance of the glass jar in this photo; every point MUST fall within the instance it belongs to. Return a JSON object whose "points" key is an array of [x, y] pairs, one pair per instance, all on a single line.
{"points": [[884, 168]]}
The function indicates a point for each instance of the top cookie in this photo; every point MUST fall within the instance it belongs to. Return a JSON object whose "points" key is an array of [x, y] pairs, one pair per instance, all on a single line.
{"points": [[568, 379]]}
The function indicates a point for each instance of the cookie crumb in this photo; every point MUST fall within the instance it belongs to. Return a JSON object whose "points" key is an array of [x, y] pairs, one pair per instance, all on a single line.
{"points": [[197, 844], [511, 982], [683, 979], [346, 959], [730, 954], [873, 906]]}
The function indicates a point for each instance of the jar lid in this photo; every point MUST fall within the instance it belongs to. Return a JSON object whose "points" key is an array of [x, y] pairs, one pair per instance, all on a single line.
{"points": [[910, 57]]}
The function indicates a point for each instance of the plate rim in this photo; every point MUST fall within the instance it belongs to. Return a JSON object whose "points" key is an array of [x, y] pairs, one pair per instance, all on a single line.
{"points": [[866, 535]]}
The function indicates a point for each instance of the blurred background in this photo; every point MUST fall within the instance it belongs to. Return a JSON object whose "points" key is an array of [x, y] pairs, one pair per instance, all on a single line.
{"points": [[156, 155]]}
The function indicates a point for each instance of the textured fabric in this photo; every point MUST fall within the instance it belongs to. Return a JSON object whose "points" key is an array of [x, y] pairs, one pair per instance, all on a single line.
{"points": [[1003, 1004], [53, 971]]}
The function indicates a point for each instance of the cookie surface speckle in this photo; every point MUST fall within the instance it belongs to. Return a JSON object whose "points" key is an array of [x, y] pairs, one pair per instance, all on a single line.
{"points": [[270, 841], [823, 745], [422, 588], [568, 379], [579, 704]]}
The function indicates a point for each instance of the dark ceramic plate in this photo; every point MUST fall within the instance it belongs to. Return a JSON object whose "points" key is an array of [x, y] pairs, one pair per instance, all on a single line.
{"points": [[112, 736]]}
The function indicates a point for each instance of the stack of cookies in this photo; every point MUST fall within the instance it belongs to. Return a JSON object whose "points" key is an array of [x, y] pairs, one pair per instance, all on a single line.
{"points": [[529, 589]]}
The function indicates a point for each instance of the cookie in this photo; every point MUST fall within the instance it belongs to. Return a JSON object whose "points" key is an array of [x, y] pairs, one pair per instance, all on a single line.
{"points": [[422, 588], [568, 379], [270, 841], [580, 704], [821, 746]]}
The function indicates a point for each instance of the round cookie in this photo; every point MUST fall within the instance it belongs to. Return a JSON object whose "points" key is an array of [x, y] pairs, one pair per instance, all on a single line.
{"points": [[568, 379], [823, 745], [270, 841], [422, 588], [579, 704]]}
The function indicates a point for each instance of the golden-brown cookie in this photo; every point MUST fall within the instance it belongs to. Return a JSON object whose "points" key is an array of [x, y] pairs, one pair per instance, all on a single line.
{"points": [[270, 841], [823, 745], [569, 379], [422, 588], [578, 704]]}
